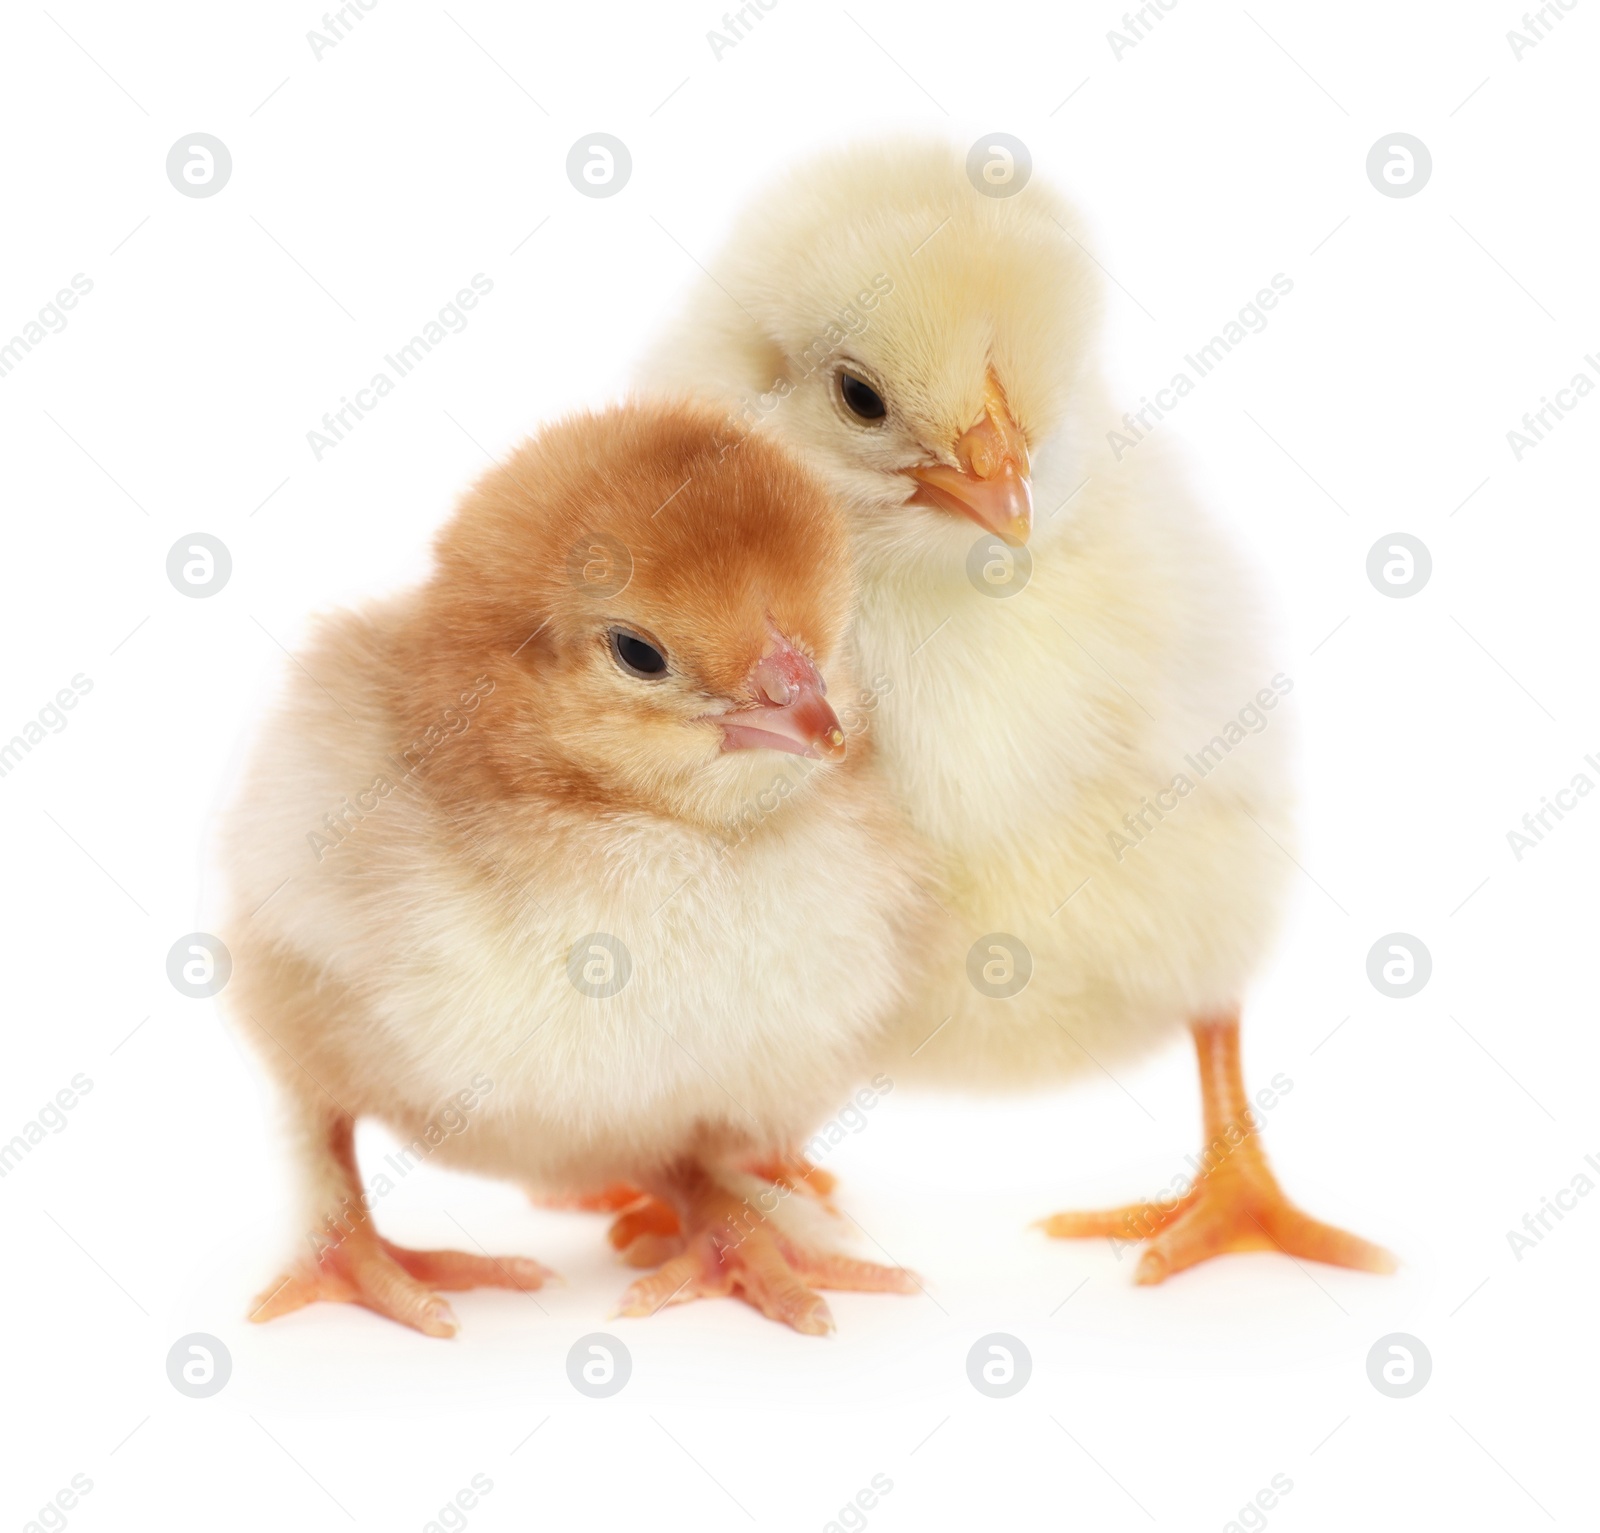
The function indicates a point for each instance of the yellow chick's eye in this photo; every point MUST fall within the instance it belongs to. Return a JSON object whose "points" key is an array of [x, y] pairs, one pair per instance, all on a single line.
{"points": [[861, 399], [637, 656]]}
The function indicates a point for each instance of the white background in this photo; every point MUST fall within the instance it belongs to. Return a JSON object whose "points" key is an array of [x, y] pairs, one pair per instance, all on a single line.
{"points": [[368, 187]]}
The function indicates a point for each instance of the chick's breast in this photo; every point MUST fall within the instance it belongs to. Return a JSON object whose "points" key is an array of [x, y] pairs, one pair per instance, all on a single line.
{"points": [[626, 986], [1059, 748]]}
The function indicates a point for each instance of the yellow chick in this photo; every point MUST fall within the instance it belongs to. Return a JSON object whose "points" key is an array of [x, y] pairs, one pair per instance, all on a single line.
{"points": [[1082, 719], [558, 867]]}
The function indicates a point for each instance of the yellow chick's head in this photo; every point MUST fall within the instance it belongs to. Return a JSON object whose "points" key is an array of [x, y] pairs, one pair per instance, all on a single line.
{"points": [[644, 613], [912, 337]]}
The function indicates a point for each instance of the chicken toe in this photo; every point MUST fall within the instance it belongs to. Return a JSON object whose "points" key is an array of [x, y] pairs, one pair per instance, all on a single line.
{"points": [[647, 1232], [734, 1249], [1235, 1204], [352, 1264]]}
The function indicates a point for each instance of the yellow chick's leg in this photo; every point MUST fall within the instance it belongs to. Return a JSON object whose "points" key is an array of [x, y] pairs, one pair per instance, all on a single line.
{"points": [[1235, 1203], [351, 1263], [733, 1246]]}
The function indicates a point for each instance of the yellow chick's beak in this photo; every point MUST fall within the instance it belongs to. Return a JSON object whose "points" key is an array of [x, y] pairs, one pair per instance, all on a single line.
{"points": [[793, 714], [991, 485]]}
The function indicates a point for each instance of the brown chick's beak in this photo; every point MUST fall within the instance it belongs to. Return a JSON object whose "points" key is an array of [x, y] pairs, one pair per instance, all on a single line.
{"points": [[793, 714], [991, 485]]}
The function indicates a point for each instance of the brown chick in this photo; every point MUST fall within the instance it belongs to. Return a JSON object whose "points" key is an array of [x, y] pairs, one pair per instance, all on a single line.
{"points": [[559, 868]]}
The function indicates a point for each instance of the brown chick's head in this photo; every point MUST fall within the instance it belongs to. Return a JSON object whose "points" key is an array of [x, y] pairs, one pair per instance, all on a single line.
{"points": [[914, 338], [651, 614]]}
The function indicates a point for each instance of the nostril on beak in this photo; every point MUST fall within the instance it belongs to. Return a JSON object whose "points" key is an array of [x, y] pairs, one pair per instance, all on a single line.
{"points": [[789, 712], [982, 454], [773, 686]]}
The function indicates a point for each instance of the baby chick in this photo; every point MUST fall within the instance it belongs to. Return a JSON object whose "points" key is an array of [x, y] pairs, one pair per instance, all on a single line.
{"points": [[558, 867], [1079, 727]]}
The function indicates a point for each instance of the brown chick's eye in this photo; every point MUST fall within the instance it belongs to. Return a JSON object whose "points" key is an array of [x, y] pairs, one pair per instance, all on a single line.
{"points": [[861, 399], [638, 657]]}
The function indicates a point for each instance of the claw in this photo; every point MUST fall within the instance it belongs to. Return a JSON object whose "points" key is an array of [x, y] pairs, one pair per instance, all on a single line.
{"points": [[1236, 1204], [732, 1249], [394, 1281]]}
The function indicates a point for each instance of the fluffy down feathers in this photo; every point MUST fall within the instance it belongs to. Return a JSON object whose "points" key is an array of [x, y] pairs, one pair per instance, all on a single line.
{"points": [[462, 787], [1036, 738]]}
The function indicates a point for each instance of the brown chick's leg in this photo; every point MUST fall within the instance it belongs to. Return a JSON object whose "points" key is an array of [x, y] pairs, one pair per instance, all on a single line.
{"points": [[735, 1248], [645, 1229], [351, 1263], [610, 1199], [648, 1233], [1235, 1203], [797, 1173]]}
